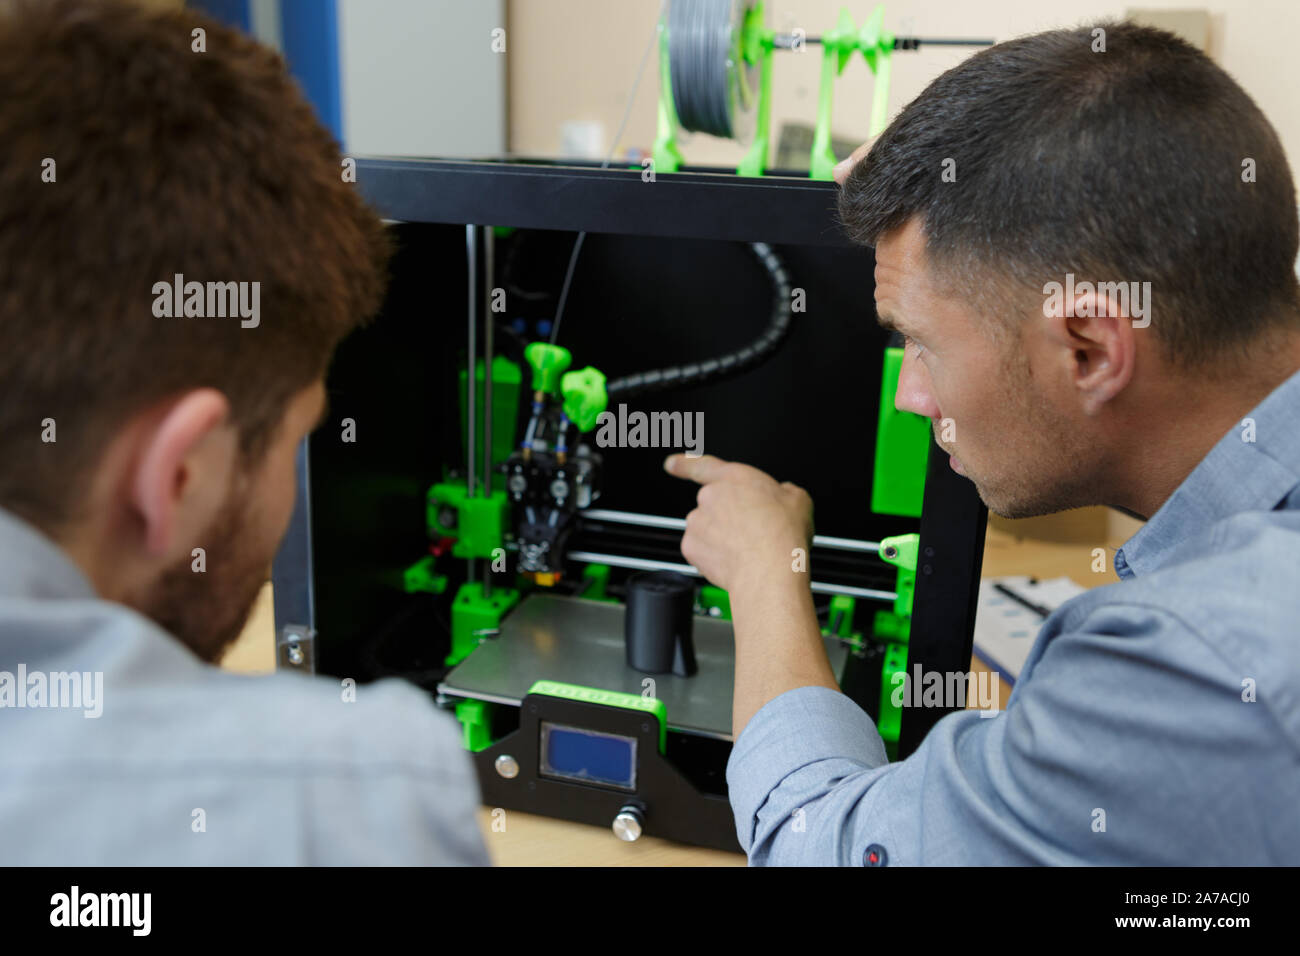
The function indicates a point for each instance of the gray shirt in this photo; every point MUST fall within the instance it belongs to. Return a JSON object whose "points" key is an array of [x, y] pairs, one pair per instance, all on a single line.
{"points": [[1156, 720], [118, 746]]}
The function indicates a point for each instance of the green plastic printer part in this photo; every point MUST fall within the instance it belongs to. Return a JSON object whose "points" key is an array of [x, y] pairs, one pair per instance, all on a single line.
{"points": [[877, 46], [609, 698], [891, 628], [757, 44], [715, 598], [584, 397], [903, 443], [891, 715], [549, 363], [873, 41], [839, 622], [838, 45], [479, 523], [900, 551], [507, 381], [420, 578], [597, 576], [475, 722], [902, 450], [665, 154], [472, 615]]}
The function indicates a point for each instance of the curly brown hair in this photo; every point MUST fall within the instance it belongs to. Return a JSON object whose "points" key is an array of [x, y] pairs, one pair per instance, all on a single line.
{"points": [[129, 157]]}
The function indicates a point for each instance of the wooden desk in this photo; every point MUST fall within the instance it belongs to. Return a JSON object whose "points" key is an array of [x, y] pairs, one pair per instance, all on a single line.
{"points": [[523, 839]]}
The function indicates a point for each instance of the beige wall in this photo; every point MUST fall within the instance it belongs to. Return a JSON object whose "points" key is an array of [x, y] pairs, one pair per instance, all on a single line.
{"points": [[576, 59]]}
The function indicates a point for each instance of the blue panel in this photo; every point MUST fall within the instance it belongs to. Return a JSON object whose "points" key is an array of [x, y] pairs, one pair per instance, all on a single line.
{"points": [[235, 13], [310, 42], [588, 755]]}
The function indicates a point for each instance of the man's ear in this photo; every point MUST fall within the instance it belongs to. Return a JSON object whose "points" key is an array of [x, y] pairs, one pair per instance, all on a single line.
{"points": [[183, 468], [1098, 331]]}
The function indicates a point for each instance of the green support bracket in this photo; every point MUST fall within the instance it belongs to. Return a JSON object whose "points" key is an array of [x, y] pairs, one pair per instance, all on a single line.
{"points": [[478, 524], [757, 44], [597, 590], [891, 627], [420, 578], [901, 551], [877, 46], [839, 622], [473, 615], [891, 714], [475, 718], [837, 47], [903, 442], [842, 606]]}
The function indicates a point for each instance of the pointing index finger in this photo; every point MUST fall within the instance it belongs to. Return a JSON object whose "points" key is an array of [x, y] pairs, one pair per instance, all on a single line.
{"points": [[703, 470]]}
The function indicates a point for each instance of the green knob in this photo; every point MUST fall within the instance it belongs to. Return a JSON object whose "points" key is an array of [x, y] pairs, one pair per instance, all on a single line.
{"points": [[549, 362], [584, 397]]}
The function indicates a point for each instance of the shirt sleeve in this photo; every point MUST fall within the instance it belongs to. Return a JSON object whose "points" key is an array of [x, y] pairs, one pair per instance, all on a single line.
{"points": [[1099, 757]]}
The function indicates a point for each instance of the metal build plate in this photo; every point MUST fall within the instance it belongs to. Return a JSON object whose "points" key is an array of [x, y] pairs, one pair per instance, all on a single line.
{"points": [[575, 641]]}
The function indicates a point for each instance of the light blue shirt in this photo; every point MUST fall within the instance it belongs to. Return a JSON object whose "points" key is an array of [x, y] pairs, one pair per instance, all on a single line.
{"points": [[153, 757], [1156, 720]]}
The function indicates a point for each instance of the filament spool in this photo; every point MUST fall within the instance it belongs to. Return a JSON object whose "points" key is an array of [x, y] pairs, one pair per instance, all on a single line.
{"points": [[714, 89]]}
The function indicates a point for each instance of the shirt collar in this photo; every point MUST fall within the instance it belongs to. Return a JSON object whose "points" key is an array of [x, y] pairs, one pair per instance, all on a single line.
{"points": [[1254, 467], [31, 565]]}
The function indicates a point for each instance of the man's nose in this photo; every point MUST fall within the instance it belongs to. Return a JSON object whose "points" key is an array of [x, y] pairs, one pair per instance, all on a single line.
{"points": [[914, 394]]}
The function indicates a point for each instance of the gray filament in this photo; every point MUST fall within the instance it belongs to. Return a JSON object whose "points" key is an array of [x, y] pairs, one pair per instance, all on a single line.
{"points": [[700, 41]]}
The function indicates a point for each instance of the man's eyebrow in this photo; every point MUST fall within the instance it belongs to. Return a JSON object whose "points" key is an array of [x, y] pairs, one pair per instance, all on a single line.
{"points": [[888, 322]]}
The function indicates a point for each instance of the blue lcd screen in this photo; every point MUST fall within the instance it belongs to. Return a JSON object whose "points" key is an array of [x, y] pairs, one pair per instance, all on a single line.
{"points": [[572, 753]]}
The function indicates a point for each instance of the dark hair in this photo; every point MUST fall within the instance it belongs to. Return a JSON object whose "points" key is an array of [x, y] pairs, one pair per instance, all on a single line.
{"points": [[1123, 165], [166, 160]]}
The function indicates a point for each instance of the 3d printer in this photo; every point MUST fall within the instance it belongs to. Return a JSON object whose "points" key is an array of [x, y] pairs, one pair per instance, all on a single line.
{"points": [[478, 537]]}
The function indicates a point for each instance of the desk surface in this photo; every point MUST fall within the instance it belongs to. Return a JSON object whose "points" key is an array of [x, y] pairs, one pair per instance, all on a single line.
{"points": [[515, 838]]}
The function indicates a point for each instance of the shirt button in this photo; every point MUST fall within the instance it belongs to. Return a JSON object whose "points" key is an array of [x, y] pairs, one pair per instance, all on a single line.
{"points": [[875, 855]]}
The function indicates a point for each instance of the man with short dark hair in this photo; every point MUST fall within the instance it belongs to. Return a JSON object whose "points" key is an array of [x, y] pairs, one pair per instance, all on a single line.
{"points": [[179, 256], [1088, 240]]}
